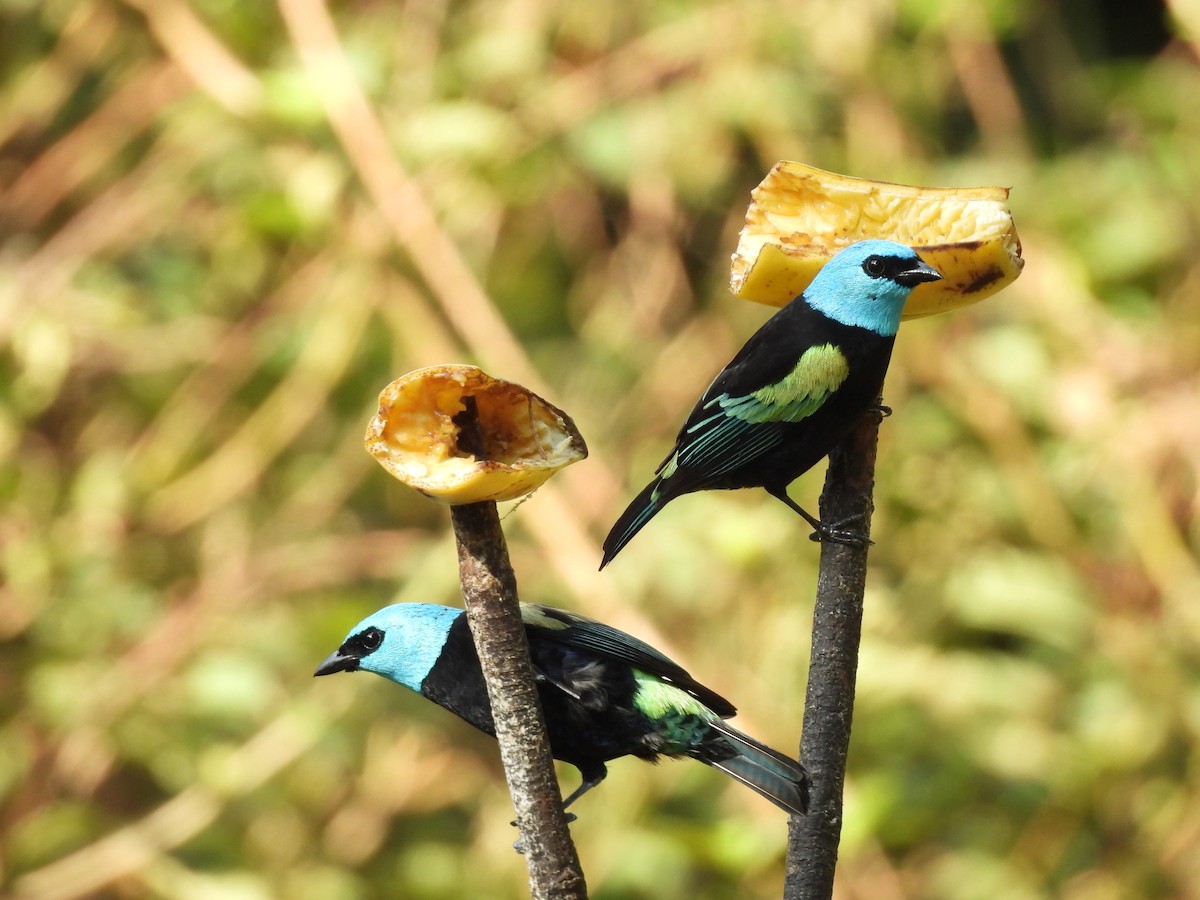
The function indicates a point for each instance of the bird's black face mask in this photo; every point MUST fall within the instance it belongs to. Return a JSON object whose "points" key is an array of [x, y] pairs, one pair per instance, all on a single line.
{"points": [[346, 657]]}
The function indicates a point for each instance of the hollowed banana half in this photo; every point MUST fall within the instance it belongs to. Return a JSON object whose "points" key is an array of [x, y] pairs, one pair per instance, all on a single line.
{"points": [[800, 217], [517, 442]]}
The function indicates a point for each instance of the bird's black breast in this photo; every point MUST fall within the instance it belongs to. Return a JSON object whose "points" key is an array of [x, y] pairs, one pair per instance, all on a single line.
{"points": [[456, 681]]}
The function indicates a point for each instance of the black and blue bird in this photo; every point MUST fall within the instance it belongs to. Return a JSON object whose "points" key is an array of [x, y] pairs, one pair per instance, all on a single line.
{"points": [[605, 694], [793, 391]]}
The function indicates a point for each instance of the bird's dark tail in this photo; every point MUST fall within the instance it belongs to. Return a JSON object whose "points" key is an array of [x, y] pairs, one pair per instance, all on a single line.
{"points": [[780, 779], [636, 515]]}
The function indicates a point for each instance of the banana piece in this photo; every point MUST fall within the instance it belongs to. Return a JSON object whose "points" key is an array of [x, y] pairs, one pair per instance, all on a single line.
{"points": [[416, 435], [800, 216]]}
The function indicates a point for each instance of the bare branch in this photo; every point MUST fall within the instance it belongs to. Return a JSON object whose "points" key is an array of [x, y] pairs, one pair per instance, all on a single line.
{"points": [[829, 703], [489, 589]]}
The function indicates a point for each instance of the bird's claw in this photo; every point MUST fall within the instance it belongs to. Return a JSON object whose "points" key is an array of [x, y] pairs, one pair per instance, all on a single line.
{"points": [[838, 536], [880, 411], [837, 533]]}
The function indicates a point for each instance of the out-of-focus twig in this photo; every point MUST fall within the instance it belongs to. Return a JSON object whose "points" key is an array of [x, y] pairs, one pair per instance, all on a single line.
{"points": [[336, 332], [398, 197], [195, 49], [178, 820], [78, 156], [986, 84]]}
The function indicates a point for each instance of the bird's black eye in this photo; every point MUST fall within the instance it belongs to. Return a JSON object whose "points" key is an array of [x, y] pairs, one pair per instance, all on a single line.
{"points": [[371, 639], [874, 266]]}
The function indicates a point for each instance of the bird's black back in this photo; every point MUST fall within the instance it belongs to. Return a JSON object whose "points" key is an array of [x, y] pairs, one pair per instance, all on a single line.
{"points": [[600, 724]]}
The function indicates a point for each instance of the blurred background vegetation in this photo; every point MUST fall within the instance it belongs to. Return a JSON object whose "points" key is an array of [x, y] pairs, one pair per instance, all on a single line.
{"points": [[227, 225]]}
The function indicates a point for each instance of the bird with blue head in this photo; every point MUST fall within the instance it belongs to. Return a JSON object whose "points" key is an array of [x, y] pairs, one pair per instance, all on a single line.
{"points": [[793, 391], [605, 694]]}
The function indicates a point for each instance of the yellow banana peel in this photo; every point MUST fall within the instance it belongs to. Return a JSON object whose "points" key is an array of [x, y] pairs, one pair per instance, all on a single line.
{"points": [[799, 217], [415, 436]]}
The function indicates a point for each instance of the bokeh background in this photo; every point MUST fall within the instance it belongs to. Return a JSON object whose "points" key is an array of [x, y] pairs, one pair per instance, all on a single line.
{"points": [[227, 225]]}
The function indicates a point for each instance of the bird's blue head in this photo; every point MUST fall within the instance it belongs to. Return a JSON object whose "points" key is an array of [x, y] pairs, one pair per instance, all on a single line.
{"points": [[400, 642], [867, 285]]}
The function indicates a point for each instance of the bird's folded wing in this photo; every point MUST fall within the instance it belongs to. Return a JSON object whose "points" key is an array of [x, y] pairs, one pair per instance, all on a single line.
{"points": [[729, 427], [579, 631]]}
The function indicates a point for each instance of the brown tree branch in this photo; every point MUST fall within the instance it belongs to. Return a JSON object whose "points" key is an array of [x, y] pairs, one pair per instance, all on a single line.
{"points": [[829, 703], [489, 589]]}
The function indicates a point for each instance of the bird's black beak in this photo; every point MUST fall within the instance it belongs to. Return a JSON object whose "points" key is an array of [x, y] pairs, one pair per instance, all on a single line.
{"points": [[917, 274], [337, 661]]}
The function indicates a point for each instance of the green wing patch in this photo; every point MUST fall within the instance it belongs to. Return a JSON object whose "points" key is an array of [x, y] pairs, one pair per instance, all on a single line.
{"points": [[681, 719], [658, 698], [818, 373]]}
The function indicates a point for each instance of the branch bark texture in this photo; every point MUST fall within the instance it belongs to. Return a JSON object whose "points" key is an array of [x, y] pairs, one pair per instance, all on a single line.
{"points": [[829, 702], [489, 589]]}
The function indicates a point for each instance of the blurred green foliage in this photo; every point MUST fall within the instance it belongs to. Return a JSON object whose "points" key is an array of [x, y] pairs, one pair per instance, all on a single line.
{"points": [[214, 256]]}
